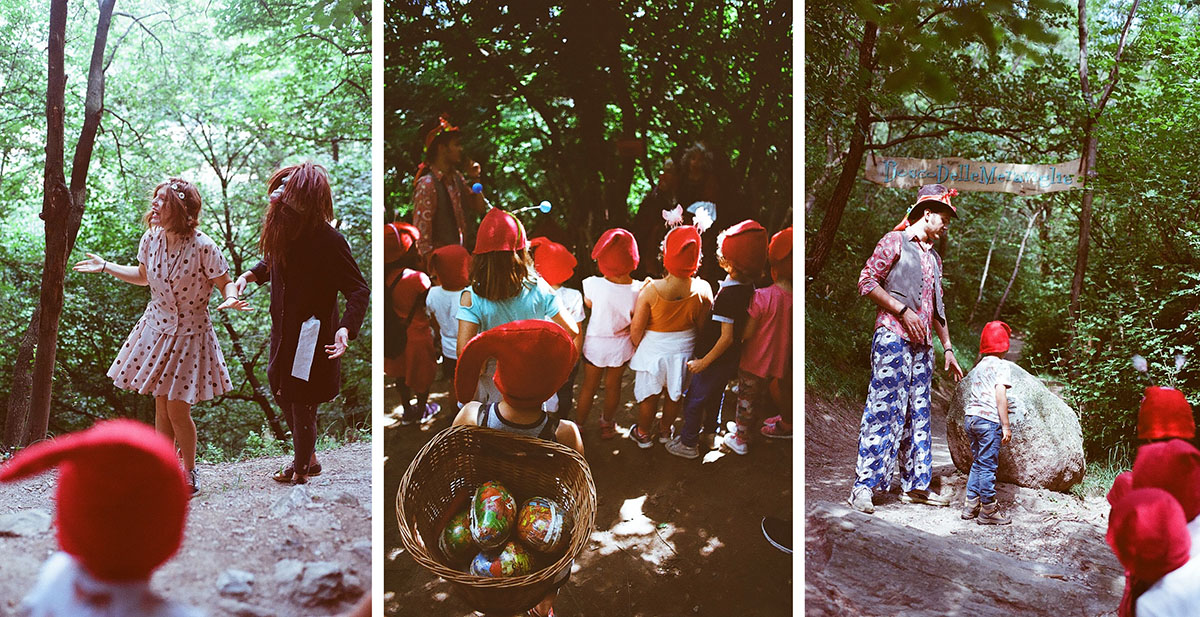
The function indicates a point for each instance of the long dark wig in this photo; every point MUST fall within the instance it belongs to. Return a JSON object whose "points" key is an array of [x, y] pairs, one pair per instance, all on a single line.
{"points": [[300, 200]]}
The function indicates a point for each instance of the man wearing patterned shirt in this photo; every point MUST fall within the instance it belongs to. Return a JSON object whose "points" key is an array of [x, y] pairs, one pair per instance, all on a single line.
{"points": [[904, 278], [442, 194]]}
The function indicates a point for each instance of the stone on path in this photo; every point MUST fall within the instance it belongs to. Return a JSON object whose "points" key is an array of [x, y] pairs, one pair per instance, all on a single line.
{"points": [[1046, 450], [317, 583], [296, 498], [234, 583], [860, 565], [25, 523]]}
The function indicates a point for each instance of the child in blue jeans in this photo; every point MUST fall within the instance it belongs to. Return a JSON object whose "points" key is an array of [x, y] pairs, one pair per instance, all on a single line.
{"points": [[986, 422]]}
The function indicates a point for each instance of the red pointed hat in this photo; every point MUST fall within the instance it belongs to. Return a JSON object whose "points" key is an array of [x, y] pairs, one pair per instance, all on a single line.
{"points": [[1165, 413], [534, 357], [398, 239], [452, 263], [1121, 485], [681, 251], [1174, 466], [745, 246], [779, 254], [412, 284], [929, 196], [994, 338], [1148, 533], [121, 497], [616, 252], [553, 262], [500, 231]]}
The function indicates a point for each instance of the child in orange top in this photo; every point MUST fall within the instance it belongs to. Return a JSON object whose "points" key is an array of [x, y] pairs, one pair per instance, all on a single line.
{"points": [[414, 365], [666, 317]]}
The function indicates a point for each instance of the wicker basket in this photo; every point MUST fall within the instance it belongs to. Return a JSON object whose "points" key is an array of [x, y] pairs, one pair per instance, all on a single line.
{"points": [[443, 477]]}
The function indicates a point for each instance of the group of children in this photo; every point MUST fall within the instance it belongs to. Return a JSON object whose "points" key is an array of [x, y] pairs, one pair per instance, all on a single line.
{"points": [[670, 331], [1154, 524]]}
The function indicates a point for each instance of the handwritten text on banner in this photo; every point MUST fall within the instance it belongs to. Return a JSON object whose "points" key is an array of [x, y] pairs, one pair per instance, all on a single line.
{"points": [[967, 175]]}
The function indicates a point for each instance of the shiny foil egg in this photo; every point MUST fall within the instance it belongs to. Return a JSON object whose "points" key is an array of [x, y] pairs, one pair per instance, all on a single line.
{"points": [[493, 515], [512, 560], [543, 525], [455, 541]]}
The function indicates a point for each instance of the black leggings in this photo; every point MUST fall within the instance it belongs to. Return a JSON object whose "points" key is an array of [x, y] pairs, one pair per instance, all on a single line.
{"points": [[302, 419]]}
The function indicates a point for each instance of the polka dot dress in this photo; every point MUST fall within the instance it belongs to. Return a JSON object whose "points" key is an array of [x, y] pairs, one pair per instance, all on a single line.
{"points": [[173, 350]]}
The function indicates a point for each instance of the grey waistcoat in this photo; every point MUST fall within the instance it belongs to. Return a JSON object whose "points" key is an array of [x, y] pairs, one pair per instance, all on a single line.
{"points": [[904, 280]]}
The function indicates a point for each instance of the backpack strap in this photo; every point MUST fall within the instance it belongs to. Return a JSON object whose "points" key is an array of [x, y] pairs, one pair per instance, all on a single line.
{"points": [[482, 418], [388, 298], [549, 430]]}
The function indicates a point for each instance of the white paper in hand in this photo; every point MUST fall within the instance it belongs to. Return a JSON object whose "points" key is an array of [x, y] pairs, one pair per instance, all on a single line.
{"points": [[306, 348]]}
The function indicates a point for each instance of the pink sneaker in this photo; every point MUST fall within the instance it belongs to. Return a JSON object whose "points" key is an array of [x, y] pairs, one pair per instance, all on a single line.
{"points": [[776, 431], [734, 444]]}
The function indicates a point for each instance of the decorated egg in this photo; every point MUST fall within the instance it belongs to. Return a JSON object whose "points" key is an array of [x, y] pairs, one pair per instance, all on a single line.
{"points": [[456, 541], [543, 525], [493, 515], [512, 560]]}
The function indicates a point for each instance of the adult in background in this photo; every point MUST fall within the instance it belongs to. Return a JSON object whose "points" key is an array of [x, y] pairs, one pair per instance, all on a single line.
{"points": [[308, 262], [443, 204], [903, 277]]}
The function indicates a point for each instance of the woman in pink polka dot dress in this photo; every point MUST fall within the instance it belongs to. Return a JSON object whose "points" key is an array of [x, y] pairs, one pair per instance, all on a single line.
{"points": [[172, 353]]}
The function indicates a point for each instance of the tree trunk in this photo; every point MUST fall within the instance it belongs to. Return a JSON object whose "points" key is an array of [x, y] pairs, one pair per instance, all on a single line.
{"points": [[1090, 146], [822, 243], [258, 392], [17, 418], [62, 207], [1016, 266], [983, 279]]}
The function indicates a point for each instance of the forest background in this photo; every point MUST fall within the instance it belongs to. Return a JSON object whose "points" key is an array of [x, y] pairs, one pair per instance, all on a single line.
{"points": [[1085, 281], [221, 93]]}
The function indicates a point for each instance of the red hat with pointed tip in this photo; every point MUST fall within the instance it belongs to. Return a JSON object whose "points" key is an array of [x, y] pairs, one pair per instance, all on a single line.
{"points": [[1165, 413], [681, 251], [534, 357], [745, 246], [779, 253], [398, 240], [994, 338], [1174, 466], [452, 263], [406, 291], [616, 252], [553, 262], [121, 498], [1121, 485], [500, 231], [1148, 533]]}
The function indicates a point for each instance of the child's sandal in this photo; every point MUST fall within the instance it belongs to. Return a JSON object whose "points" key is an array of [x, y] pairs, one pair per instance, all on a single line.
{"points": [[608, 430]]}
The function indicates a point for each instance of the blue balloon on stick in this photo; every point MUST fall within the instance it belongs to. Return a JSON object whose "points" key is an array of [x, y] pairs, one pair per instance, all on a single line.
{"points": [[544, 207], [477, 188]]}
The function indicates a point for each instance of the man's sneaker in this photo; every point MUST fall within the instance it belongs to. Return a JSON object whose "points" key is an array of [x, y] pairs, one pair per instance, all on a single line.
{"points": [[860, 499], [643, 441], [925, 497], [970, 508], [989, 514], [735, 445], [678, 448], [195, 484]]}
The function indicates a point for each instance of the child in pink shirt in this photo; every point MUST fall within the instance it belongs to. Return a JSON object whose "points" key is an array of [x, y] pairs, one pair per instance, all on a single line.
{"points": [[767, 350]]}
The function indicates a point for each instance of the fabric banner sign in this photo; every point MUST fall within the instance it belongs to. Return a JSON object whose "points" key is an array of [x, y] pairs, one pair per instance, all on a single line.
{"points": [[964, 175]]}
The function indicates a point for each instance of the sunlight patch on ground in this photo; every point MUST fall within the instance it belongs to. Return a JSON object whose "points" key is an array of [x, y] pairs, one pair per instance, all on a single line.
{"points": [[713, 456], [711, 546], [636, 531]]}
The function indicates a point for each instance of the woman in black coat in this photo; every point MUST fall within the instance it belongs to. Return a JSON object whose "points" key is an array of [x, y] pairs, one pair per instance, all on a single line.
{"points": [[308, 262]]}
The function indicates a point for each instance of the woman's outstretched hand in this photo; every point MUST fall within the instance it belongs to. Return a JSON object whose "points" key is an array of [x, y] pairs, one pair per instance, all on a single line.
{"points": [[93, 265], [341, 340], [236, 303]]}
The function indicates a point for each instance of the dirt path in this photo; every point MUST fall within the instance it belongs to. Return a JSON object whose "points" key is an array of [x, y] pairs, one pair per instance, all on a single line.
{"points": [[674, 537], [242, 520], [1051, 528]]}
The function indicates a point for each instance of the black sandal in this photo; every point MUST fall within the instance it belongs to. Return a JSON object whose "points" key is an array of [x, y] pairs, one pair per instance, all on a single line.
{"points": [[286, 475]]}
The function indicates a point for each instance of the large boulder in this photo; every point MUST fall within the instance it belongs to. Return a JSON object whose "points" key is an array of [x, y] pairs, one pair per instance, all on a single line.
{"points": [[1046, 450]]}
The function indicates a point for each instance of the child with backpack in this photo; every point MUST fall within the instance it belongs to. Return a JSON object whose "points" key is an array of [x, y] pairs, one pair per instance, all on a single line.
{"points": [[410, 356]]}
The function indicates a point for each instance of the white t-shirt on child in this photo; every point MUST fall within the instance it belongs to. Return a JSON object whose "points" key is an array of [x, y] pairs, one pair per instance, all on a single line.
{"points": [[1177, 594], [572, 303], [442, 305], [983, 379]]}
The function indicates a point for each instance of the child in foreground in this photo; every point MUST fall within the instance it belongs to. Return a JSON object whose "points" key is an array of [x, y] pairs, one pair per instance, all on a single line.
{"points": [[607, 347], [533, 359], [121, 505], [741, 252], [766, 362], [986, 422]]}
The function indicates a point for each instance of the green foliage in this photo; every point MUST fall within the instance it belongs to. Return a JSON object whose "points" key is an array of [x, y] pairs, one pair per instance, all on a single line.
{"points": [[281, 82]]}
